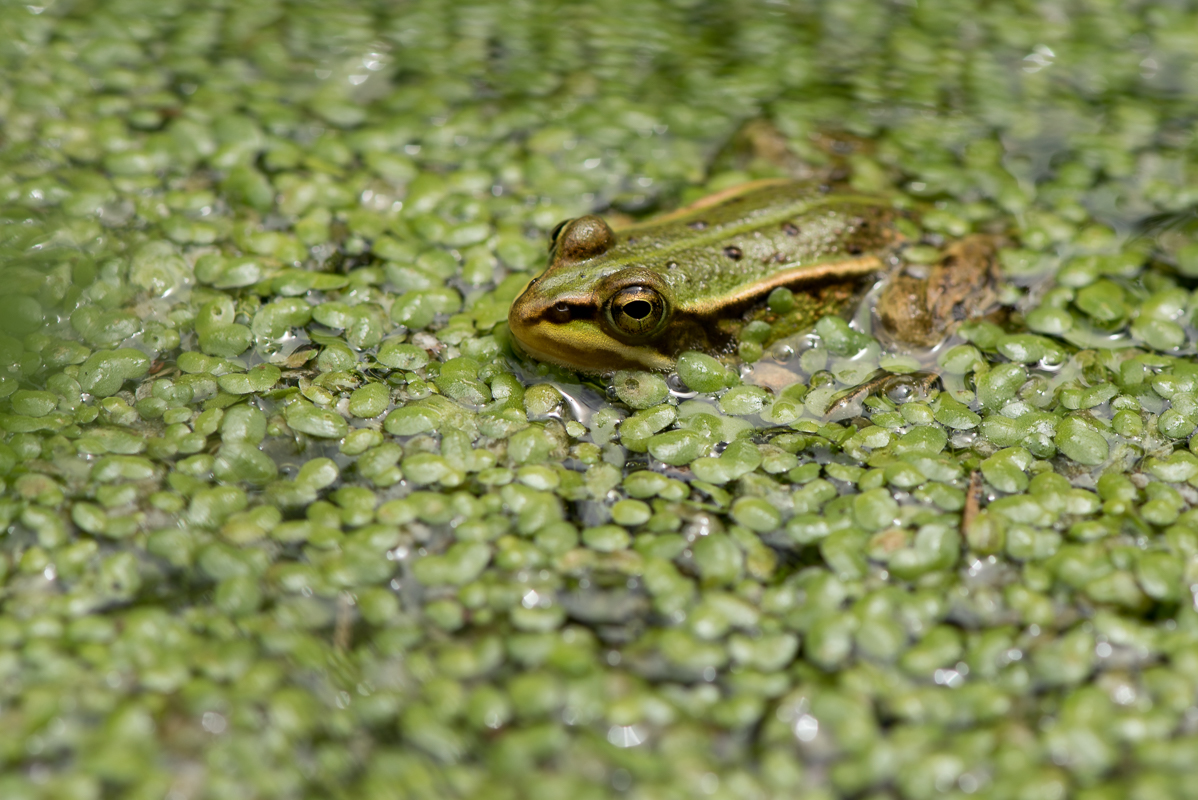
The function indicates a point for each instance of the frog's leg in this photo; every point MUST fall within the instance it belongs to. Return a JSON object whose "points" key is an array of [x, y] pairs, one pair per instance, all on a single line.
{"points": [[898, 387], [922, 304]]}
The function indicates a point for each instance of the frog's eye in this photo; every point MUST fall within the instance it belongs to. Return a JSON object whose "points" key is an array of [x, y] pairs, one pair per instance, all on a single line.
{"points": [[557, 231], [636, 311]]}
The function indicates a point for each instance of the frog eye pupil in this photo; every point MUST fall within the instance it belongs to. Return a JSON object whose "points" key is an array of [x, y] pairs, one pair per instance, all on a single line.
{"points": [[638, 309]]}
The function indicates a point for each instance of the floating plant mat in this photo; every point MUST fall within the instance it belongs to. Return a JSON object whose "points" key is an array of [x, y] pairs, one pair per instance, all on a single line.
{"points": [[282, 515]]}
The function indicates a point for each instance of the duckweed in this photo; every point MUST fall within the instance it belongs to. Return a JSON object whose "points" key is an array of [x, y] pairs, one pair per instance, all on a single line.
{"points": [[284, 514], [370, 400], [105, 371], [323, 423], [640, 390], [257, 380], [702, 373]]}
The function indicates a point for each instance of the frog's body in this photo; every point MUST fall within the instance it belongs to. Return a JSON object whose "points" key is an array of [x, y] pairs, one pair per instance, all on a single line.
{"points": [[696, 268], [635, 298]]}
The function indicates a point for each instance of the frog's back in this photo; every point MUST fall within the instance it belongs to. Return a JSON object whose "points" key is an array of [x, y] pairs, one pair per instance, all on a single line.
{"points": [[717, 248]]}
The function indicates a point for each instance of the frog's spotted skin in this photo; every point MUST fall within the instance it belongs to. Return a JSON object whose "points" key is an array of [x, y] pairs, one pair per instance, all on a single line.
{"points": [[687, 272]]}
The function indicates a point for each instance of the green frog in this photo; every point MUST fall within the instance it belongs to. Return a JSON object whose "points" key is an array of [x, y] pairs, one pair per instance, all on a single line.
{"points": [[637, 296]]}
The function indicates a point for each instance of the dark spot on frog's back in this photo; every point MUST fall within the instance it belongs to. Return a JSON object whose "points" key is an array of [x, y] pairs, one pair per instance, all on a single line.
{"points": [[790, 229], [733, 252]]}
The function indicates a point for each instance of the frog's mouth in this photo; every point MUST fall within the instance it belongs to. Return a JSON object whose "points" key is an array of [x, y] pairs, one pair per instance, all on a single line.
{"points": [[581, 346]]}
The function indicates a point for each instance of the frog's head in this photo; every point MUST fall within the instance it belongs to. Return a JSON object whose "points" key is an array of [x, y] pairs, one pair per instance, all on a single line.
{"points": [[590, 311]]}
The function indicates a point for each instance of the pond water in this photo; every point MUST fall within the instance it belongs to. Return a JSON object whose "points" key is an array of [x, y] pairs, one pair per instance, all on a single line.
{"points": [[282, 515]]}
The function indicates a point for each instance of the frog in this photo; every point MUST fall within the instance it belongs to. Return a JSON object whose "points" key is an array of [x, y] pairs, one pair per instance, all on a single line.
{"points": [[635, 297]]}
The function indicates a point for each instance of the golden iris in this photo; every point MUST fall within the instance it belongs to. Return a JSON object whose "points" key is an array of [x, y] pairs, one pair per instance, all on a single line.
{"points": [[636, 311]]}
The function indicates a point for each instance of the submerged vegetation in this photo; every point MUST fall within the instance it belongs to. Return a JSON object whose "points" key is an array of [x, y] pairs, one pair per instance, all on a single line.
{"points": [[282, 515]]}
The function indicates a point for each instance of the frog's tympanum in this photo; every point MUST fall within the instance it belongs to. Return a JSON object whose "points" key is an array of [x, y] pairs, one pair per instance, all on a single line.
{"points": [[636, 297]]}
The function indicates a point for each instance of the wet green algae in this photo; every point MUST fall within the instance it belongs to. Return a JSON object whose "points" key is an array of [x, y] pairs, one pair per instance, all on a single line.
{"points": [[284, 518]]}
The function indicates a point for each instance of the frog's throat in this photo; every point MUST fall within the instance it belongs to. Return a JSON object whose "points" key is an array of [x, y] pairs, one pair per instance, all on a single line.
{"points": [[795, 278]]}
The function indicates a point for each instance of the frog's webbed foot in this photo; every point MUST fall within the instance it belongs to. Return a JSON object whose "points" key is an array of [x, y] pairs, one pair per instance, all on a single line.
{"points": [[898, 387]]}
